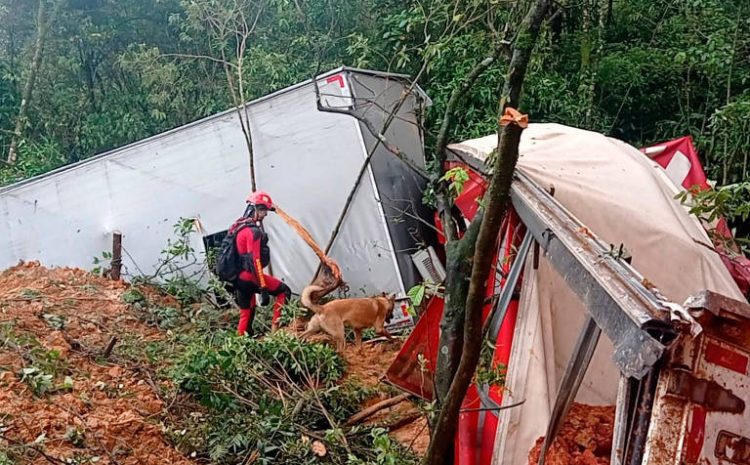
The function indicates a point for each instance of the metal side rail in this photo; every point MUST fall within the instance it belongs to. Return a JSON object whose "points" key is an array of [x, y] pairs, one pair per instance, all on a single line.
{"points": [[499, 310], [636, 319], [633, 317]]}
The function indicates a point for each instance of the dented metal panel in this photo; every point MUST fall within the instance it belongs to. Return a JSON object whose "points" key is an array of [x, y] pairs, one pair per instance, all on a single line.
{"points": [[700, 414]]}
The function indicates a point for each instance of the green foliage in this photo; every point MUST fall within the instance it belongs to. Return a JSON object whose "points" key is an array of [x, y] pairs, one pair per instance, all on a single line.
{"points": [[133, 296], [101, 263], [489, 373], [41, 366], [263, 397], [39, 381], [185, 289], [418, 293], [5, 459], [240, 361], [165, 317], [30, 294], [456, 178], [116, 72], [180, 269], [75, 436], [289, 311], [387, 451], [731, 203], [54, 321]]}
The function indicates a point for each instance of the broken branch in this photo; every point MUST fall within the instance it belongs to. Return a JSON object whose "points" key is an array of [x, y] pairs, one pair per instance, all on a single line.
{"points": [[110, 346], [373, 409]]}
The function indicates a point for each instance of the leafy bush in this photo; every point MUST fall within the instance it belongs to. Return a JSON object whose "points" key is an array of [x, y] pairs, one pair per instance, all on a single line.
{"points": [[240, 362], [730, 202], [265, 398], [133, 296]]}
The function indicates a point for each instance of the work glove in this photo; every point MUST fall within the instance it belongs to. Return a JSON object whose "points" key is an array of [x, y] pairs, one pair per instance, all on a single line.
{"points": [[264, 298]]}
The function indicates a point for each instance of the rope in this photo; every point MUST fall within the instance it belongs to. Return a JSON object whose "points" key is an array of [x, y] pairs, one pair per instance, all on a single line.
{"points": [[328, 262]]}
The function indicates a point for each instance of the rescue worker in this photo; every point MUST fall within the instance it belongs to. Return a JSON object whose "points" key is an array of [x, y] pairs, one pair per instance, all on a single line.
{"points": [[252, 246]]}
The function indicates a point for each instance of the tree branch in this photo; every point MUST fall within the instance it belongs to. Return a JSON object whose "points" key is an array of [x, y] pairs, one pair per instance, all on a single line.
{"points": [[444, 209], [412, 216], [373, 409], [379, 136]]}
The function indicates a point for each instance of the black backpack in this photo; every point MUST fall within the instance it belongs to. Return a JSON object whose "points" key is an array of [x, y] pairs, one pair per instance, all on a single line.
{"points": [[229, 262]]}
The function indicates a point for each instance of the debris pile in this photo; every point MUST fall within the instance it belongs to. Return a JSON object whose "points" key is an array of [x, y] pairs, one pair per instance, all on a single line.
{"points": [[86, 375], [405, 422], [61, 400], [584, 439]]}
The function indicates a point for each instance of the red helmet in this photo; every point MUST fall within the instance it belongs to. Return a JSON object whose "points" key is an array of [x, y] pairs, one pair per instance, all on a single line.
{"points": [[261, 199]]}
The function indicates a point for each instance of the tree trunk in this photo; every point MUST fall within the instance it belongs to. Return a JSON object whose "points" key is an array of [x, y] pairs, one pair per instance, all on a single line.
{"points": [[458, 253], [42, 26], [522, 48], [594, 43], [459, 261], [498, 196], [497, 200], [246, 124], [88, 72]]}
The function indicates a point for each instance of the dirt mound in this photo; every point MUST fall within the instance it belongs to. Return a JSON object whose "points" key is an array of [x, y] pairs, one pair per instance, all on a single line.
{"points": [[584, 439], [404, 421], [60, 399], [64, 399]]}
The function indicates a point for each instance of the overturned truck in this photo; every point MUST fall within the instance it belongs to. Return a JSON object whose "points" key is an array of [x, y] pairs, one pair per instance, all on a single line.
{"points": [[603, 294], [314, 153]]}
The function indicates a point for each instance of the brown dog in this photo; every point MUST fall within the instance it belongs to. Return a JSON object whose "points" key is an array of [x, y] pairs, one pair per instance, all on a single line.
{"points": [[358, 314]]}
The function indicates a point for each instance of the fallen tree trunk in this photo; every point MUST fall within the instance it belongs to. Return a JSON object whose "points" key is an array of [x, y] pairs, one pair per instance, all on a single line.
{"points": [[373, 409]]}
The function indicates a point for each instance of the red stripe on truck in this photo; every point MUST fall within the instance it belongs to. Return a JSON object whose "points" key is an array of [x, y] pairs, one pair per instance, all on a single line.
{"points": [[726, 357], [696, 434]]}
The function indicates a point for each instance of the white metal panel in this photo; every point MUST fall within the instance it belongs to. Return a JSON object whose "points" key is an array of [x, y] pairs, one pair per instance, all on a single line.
{"points": [[141, 190], [363, 248], [307, 161]]}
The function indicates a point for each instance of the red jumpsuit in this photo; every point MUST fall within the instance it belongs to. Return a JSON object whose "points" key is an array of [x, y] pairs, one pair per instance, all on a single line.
{"points": [[252, 280]]}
